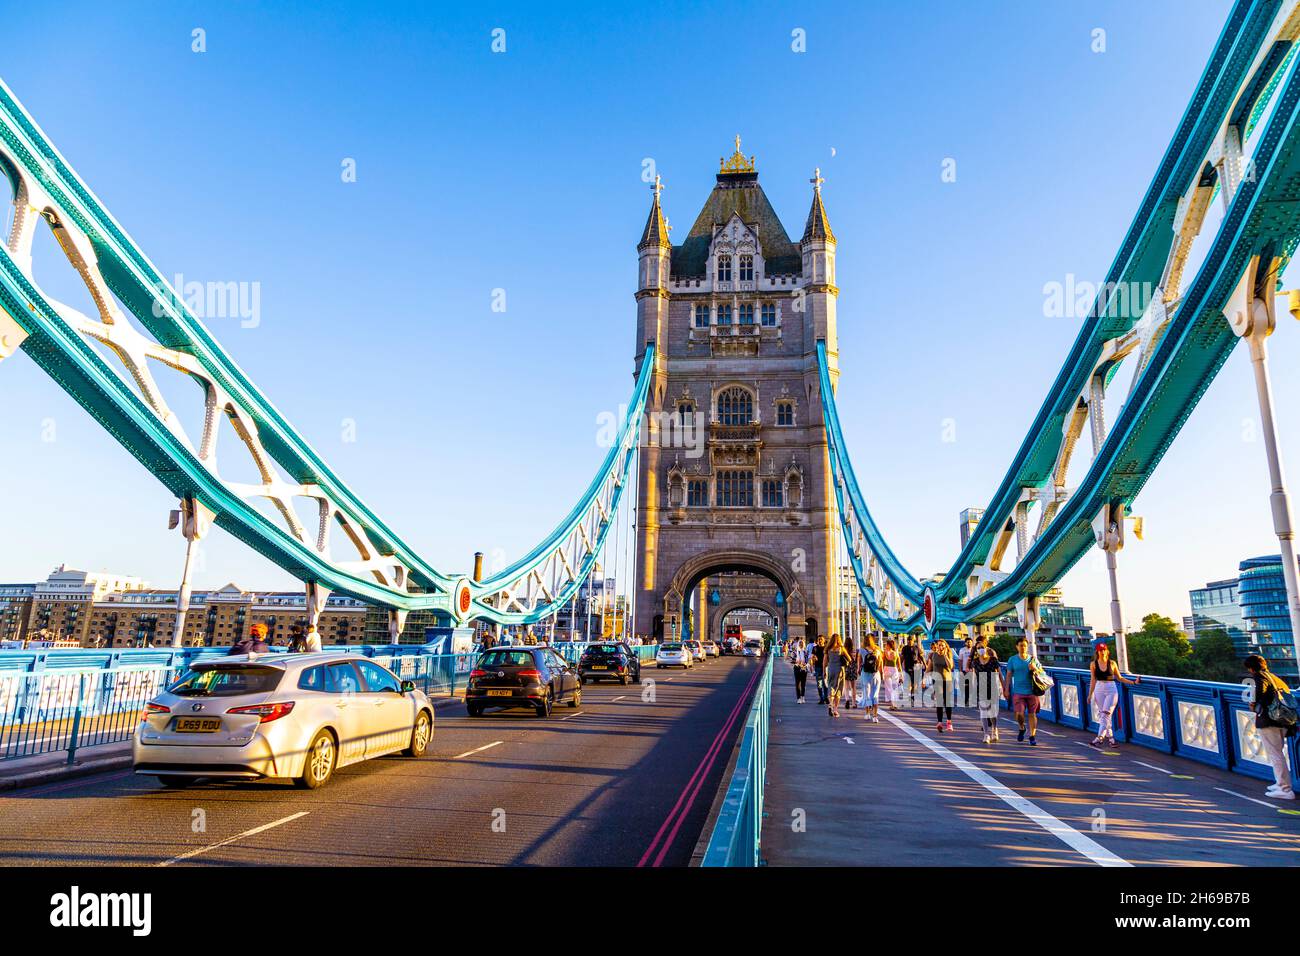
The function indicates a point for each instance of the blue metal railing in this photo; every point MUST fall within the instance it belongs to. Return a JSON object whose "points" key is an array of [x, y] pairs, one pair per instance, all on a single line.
{"points": [[1205, 721], [55, 700], [739, 826]]}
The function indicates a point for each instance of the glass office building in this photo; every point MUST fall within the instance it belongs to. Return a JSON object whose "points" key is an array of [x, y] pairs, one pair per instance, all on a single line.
{"points": [[1216, 607], [1261, 592]]}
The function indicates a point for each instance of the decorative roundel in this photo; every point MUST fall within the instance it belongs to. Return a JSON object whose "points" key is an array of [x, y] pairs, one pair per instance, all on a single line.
{"points": [[929, 609], [463, 599]]}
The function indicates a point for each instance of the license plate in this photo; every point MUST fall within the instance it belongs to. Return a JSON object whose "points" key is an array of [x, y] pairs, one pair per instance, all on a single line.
{"points": [[598, 667], [500, 693], [198, 725]]}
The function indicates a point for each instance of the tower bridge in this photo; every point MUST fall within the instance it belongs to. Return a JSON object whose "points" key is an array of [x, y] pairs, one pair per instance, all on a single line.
{"points": [[757, 501]]}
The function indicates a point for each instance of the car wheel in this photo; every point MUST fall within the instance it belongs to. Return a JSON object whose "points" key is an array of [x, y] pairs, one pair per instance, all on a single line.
{"points": [[175, 783], [420, 735], [576, 700], [474, 710], [547, 705], [322, 755], [637, 679], [582, 680]]}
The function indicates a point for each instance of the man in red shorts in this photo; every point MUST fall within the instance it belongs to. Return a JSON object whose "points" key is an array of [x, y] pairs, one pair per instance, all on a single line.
{"points": [[1020, 690]]}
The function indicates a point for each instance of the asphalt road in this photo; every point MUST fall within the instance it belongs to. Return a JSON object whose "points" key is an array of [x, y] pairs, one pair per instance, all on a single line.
{"points": [[621, 781]]}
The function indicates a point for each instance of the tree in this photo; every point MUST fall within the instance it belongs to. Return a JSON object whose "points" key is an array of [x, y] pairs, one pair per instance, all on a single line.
{"points": [[1215, 658], [1004, 645]]}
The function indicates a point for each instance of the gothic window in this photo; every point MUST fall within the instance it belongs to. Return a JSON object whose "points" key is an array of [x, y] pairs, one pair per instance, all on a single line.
{"points": [[724, 315], [685, 409], [701, 316], [735, 406], [785, 413], [746, 268], [747, 313], [769, 314], [735, 489], [724, 267], [772, 493], [697, 493]]}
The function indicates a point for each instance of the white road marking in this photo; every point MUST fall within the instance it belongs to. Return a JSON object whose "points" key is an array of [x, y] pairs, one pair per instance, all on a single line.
{"points": [[1151, 766], [495, 743], [1262, 803], [617, 699], [238, 836], [570, 717], [848, 740], [1093, 850]]}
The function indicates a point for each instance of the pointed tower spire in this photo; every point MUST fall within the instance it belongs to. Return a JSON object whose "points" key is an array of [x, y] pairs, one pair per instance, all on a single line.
{"points": [[656, 226], [818, 227]]}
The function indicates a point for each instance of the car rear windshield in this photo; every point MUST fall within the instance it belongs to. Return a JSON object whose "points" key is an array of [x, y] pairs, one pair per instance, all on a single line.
{"points": [[604, 649], [233, 681], [670, 647], [504, 658]]}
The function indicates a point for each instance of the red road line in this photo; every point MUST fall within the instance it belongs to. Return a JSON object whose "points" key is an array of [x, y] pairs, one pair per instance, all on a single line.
{"points": [[697, 780]]}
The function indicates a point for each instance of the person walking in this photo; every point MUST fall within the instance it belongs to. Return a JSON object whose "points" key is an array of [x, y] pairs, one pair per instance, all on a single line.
{"points": [[818, 657], [799, 661], [890, 676], [837, 662], [869, 657], [939, 665], [986, 672], [851, 674], [1275, 721], [1103, 693], [1020, 691], [912, 657]]}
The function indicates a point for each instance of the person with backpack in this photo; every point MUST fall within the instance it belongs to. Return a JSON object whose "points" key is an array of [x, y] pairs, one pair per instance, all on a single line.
{"points": [[869, 658], [1275, 721], [850, 673], [1103, 693], [938, 664]]}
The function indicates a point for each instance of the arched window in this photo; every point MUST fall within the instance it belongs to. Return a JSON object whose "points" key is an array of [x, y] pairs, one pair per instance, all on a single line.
{"points": [[724, 267], [746, 268], [735, 406]]}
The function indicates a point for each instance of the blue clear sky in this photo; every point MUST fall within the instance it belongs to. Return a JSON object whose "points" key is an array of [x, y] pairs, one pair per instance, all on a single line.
{"points": [[522, 171]]}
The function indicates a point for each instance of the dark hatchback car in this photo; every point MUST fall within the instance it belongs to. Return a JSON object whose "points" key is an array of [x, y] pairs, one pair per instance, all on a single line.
{"points": [[612, 660], [535, 677]]}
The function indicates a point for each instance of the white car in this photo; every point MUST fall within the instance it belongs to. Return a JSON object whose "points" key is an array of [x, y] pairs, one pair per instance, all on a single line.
{"points": [[696, 649], [753, 648], [711, 649], [296, 716], [674, 655]]}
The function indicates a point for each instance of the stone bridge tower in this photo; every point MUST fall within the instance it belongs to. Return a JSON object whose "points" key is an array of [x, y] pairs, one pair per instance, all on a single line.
{"points": [[734, 474]]}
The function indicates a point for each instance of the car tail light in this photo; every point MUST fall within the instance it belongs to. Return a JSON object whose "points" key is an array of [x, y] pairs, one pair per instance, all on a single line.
{"points": [[530, 672], [152, 708], [268, 712], [478, 672]]}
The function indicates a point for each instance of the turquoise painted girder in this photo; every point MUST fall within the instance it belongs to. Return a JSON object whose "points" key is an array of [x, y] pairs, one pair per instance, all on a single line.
{"points": [[1140, 263], [63, 353], [1264, 219]]}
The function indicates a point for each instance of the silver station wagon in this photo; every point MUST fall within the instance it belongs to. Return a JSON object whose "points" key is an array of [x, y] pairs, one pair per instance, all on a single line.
{"points": [[294, 716]]}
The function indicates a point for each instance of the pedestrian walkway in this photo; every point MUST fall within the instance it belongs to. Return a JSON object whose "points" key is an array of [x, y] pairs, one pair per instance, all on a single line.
{"points": [[845, 792]]}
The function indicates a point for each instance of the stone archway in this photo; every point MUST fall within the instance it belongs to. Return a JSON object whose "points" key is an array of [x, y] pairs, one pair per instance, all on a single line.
{"points": [[742, 604], [697, 568]]}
